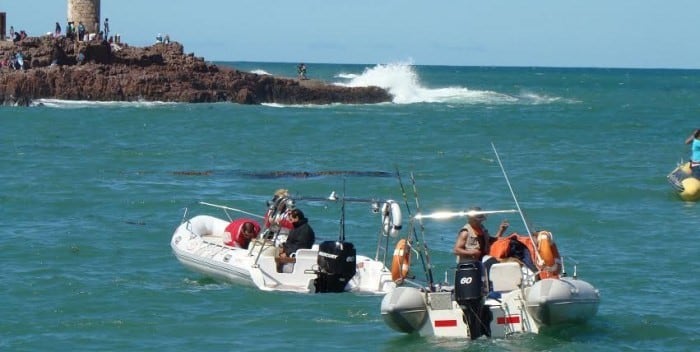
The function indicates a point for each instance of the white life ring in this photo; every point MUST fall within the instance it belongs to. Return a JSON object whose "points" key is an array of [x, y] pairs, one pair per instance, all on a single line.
{"points": [[391, 218]]}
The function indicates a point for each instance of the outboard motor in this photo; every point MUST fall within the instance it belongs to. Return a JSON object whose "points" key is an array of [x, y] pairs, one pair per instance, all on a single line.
{"points": [[469, 292], [336, 266]]}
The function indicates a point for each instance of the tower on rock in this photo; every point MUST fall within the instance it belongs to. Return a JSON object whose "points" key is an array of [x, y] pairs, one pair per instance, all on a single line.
{"points": [[86, 11]]}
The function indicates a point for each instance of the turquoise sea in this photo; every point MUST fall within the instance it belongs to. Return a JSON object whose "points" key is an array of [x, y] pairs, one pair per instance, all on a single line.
{"points": [[91, 193]]}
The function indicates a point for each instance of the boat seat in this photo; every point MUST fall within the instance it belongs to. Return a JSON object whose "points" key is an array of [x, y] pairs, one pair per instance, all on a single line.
{"points": [[306, 253], [505, 276], [301, 255]]}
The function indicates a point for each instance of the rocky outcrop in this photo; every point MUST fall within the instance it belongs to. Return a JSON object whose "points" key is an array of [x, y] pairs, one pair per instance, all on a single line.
{"points": [[161, 72]]}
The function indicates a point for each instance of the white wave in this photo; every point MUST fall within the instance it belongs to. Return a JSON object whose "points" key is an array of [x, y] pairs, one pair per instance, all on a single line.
{"points": [[260, 72], [305, 106], [537, 99], [403, 83], [72, 104], [347, 75]]}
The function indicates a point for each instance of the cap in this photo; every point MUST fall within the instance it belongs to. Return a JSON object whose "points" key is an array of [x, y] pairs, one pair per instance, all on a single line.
{"points": [[474, 209], [478, 216]]}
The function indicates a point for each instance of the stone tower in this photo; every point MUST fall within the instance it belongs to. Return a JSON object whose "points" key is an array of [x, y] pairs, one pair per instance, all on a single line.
{"points": [[86, 11]]}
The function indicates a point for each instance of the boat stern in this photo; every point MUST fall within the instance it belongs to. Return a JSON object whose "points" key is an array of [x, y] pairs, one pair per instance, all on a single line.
{"points": [[371, 277]]}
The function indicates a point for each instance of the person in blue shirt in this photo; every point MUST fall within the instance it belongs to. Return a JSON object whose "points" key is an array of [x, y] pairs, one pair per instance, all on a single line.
{"points": [[694, 152]]}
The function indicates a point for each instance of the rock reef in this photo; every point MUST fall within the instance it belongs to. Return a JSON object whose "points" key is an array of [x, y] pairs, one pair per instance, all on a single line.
{"points": [[160, 72]]}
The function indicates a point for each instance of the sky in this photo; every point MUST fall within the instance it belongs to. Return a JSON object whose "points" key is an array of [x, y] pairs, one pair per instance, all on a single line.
{"points": [[520, 33]]}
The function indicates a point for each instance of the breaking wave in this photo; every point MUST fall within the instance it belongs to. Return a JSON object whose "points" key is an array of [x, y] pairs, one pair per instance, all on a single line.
{"points": [[404, 84]]}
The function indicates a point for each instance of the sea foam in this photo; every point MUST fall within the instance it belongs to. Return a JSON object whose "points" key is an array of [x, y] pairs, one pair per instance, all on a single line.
{"points": [[404, 84]]}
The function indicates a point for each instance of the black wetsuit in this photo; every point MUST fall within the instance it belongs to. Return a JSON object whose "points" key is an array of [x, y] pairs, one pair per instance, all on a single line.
{"points": [[301, 236]]}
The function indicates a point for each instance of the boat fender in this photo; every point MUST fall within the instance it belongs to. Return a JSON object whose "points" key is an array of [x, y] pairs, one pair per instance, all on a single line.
{"points": [[550, 260], [691, 189], [401, 261], [687, 185], [391, 218]]}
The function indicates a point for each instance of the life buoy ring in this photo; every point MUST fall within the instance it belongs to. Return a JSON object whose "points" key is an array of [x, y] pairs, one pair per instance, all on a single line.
{"points": [[550, 265], [401, 261], [391, 218]]}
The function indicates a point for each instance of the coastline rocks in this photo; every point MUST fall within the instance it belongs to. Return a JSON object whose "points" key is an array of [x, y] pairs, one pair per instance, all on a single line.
{"points": [[161, 72]]}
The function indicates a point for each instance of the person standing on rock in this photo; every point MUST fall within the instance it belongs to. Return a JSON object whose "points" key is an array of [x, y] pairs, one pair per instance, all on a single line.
{"points": [[70, 31], [81, 30], [301, 71], [57, 31], [106, 28]]}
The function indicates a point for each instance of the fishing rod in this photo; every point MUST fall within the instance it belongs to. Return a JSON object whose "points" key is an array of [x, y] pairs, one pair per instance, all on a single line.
{"points": [[427, 268], [342, 215], [422, 230], [517, 205]]}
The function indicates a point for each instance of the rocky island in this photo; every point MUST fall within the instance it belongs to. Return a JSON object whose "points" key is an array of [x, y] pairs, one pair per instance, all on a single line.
{"points": [[63, 68]]}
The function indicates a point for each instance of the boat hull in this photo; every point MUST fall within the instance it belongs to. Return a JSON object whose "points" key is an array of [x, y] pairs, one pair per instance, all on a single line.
{"points": [[198, 244], [549, 302], [562, 301], [405, 309]]}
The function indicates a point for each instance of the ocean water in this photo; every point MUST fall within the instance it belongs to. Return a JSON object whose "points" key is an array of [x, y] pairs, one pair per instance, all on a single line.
{"points": [[91, 193]]}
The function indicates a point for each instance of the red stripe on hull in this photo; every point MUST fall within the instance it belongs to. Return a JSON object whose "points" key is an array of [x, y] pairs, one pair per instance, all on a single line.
{"points": [[445, 323], [513, 319]]}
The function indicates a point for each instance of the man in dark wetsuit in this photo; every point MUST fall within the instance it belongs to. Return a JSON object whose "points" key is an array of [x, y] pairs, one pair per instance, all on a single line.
{"points": [[301, 236]]}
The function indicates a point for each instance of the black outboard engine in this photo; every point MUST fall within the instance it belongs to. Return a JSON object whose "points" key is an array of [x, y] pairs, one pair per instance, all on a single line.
{"points": [[336, 266], [469, 292]]}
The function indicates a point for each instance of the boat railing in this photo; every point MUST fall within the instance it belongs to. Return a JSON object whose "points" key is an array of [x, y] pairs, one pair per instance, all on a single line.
{"points": [[256, 244], [227, 209]]}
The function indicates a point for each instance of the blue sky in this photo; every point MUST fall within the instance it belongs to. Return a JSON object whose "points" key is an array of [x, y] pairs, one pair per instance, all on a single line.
{"points": [[550, 33]]}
